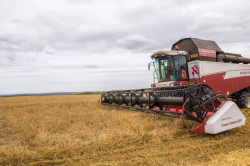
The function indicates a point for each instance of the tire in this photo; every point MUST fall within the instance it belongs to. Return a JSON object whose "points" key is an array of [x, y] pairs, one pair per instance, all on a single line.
{"points": [[208, 91], [243, 100]]}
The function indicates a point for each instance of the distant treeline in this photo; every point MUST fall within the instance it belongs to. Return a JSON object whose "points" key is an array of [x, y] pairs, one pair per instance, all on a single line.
{"points": [[97, 92], [55, 93], [89, 93]]}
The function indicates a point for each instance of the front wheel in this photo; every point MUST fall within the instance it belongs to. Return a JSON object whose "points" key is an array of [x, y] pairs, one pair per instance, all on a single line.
{"points": [[243, 100]]}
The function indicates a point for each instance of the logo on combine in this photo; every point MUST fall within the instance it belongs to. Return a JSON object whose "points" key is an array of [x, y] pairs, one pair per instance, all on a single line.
{"points": [[207, 53], [194, 55], [245, 72], [194, 70], [231, 123]]}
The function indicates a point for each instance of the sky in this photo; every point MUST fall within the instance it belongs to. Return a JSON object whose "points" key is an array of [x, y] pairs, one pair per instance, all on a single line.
{"points": [[99, 45]]}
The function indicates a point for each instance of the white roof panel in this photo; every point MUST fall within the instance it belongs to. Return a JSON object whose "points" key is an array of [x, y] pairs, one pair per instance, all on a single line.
{"points": [[163, 53]]}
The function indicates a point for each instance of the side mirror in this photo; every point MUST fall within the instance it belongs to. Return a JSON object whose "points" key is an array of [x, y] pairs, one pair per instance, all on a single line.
{"points": [[148, 66]]}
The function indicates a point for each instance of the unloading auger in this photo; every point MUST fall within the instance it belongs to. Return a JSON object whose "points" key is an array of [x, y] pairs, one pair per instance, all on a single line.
{"points": [[197, 82]]}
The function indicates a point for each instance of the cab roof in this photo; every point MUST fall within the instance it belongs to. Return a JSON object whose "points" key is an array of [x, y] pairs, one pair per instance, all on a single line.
{"points": [[163, 53]]}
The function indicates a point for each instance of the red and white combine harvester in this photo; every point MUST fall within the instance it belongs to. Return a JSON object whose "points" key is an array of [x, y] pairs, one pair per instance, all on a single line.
{"points": [[197, 82]]}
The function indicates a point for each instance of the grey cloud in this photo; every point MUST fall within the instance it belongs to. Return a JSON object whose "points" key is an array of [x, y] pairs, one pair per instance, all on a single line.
{"points": [[8, 59], [63, 32], [9, 39], [135, 42], [49, 52], [91, 66], [12, 43], [16, 21]]}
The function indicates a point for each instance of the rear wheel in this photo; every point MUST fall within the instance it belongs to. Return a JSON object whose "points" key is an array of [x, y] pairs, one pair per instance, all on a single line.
{"points": [[208, 91], [243, 100]]}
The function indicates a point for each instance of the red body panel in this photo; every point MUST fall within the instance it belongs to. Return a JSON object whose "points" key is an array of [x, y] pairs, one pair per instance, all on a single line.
{"points": [[227, 78], [226, 86], [200, 128]]}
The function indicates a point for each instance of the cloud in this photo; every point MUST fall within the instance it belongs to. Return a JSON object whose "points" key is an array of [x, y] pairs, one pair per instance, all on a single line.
{"points": [[71, 40], [136, 42], [91, 66]]}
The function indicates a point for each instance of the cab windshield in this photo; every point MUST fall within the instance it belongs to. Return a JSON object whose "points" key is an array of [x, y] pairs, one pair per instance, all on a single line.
{"points": [[169, 67]]}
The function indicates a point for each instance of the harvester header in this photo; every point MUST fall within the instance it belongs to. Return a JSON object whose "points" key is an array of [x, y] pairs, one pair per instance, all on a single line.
{"points": [[197, 82]]}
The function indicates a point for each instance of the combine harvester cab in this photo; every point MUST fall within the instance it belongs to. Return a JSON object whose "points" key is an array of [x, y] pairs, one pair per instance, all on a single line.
{"points": [[197, 82]]}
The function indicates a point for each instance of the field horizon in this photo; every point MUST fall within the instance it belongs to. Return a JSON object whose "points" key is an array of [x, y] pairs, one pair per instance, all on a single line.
{"points": [[76, 130]]}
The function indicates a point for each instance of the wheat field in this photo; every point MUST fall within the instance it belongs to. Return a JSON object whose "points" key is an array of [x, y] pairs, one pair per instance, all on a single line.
{"points": [[76, 130]]}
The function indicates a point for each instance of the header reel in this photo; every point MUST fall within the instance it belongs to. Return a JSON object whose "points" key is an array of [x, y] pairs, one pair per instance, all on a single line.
{"points": [[194, 103]]}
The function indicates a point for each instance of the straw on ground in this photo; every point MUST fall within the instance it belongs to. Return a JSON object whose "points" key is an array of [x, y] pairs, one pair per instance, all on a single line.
{"points": [[75, 130]]}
